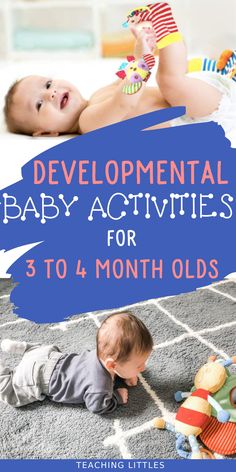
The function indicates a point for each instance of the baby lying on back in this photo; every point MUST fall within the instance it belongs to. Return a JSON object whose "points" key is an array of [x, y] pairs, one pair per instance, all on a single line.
{"points": [[38, 106]]}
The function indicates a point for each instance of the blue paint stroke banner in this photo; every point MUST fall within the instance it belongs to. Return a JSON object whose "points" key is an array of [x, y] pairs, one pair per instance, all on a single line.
{"points": [[120, 215], [115, 464]]}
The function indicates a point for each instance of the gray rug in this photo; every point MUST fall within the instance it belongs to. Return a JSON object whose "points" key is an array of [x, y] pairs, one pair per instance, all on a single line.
{"points": [[186, 329]]}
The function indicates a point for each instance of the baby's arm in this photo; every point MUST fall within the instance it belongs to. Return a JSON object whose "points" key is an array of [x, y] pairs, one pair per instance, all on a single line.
{"points": [[117, 107], [145, 42], [105, 402], [123, 392]]}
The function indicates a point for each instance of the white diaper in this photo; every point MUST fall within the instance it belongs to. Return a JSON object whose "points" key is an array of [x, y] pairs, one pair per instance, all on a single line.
{"points": [[225, 116]]}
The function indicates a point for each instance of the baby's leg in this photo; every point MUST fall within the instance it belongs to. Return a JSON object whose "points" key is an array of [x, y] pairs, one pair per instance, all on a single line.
{"points": [[26, 382], [8, 394], [199, 98], [17, 347], [18, 386], [163, 23]]}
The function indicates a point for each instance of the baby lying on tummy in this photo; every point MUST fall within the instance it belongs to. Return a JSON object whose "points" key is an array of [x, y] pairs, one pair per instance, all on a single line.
{"points": [[38, 106], [124, 345]]}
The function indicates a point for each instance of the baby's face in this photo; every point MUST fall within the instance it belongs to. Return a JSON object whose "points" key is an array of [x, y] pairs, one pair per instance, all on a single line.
{"points": [[46, 105], [135, 365]]}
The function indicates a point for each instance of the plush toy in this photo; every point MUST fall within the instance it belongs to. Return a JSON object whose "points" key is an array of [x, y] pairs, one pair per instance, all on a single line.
{"points": [[133, 18], [194, 415], [136, 71], [221, 437], [227, 57]]}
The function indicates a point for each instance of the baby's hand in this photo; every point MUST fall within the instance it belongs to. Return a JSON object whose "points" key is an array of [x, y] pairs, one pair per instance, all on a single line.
{"points": [[132, 382], [123, 392], [145, 41]]}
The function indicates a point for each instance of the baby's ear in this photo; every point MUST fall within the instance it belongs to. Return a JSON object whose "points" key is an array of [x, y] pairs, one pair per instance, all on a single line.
{"points": [[51, 134], [109, 363]]}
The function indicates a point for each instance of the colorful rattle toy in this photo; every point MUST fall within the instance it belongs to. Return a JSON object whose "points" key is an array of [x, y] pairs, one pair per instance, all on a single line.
{"points": [[194, 415], [225, 65], [133, 17], [136, 71], [158, 17]]}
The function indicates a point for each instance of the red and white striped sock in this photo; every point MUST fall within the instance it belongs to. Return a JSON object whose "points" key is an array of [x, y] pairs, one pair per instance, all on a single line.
{"points": [[150, 60], [163, 23]]}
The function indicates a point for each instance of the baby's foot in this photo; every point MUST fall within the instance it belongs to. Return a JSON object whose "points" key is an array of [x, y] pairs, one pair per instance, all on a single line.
{"points": [[160, 18], [10, 345]]}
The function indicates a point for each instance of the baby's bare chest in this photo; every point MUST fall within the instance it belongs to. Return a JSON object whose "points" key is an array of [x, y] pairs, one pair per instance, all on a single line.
{"points": [[150, 100]]}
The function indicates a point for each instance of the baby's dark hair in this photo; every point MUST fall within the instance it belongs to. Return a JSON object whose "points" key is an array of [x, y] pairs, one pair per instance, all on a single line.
{"points": [[120, 335], [13, 125]]}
